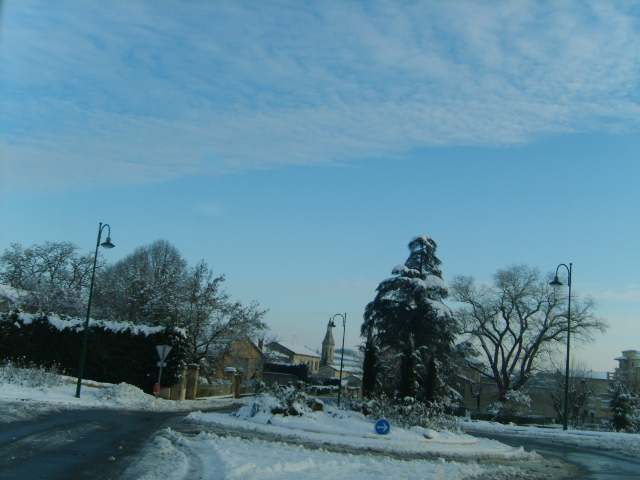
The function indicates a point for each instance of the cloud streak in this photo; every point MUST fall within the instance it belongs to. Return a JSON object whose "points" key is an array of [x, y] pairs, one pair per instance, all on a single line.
{"points": [[146, 93]]}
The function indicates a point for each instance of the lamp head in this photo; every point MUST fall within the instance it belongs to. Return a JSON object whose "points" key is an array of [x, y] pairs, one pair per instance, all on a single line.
{"points": [[107, 243], [556, 283]]}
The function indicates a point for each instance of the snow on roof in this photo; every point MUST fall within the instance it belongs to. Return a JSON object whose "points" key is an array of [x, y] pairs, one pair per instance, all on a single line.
{"points": [[76, 323], [299, 349], [346, 368], [593, 375]]}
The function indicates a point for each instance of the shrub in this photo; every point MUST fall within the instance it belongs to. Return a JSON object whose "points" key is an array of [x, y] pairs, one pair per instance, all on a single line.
{"points": [[27, 374], [515, 404]]}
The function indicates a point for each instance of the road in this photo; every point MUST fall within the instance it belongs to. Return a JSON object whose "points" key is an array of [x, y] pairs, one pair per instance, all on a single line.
{"points": [[79, 444], [99, 445], [593, 464]]}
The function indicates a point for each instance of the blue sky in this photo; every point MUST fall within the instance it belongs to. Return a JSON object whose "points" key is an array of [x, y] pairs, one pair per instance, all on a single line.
{"points": [[299, 146]]}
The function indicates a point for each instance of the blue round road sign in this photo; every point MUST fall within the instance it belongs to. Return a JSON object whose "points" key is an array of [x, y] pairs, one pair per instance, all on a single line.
{"points": [[382, 427]]}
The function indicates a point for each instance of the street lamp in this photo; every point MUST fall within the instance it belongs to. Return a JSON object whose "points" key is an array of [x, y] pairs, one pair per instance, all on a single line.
{"points": [[83, 353], [476, 391], [556, 283], [344, 327]]}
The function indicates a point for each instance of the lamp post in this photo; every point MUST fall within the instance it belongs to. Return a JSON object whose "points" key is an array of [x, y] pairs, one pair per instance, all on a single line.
{"points": [[476, 391], [556, 283], [83, 352], [343, 316]]}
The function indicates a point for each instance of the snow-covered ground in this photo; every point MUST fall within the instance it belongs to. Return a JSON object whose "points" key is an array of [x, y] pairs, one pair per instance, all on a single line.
{"points": [[25, 393], [173, 456], [355, 431], [624, 443]]}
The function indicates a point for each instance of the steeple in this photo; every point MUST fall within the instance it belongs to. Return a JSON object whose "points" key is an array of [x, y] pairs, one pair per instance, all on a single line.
{"points": [[328, 346]]}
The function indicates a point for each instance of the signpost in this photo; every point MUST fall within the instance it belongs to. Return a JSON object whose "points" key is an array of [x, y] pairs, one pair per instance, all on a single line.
{"points": [[163, 353], [382, 427]]}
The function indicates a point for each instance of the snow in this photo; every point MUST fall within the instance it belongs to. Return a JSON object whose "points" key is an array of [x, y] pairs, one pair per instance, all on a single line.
{"points": [[424, 238], [440, 307], [61, 323], [172, 456], [20, 400], [354, 430], [13, 295], [624, 443], [299, 349]]}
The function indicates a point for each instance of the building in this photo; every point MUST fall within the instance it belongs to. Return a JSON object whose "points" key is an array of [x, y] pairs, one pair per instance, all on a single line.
{"points": [[242, 355], [325, 366], [628, 370], [328, 346], [480, 393], [292, 354]]}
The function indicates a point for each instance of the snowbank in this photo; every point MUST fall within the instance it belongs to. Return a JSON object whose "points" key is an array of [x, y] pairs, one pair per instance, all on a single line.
{"points": [[172, 456], [354, 430], [20, 400], [624, 443]]}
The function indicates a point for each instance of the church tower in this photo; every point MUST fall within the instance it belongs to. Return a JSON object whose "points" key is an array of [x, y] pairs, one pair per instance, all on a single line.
{"points": [[328, 346]]}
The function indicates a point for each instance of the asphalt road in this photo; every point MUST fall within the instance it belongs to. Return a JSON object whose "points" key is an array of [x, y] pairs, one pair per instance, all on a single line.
{"points": [[76, 444], [593, 464]]}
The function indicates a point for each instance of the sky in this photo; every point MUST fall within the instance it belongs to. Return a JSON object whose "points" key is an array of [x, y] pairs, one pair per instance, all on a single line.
{"points": [[298, 146]]}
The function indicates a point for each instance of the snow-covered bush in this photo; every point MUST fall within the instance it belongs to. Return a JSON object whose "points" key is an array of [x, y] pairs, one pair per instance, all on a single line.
{"points": [[281, 400], [409, 412], [27, 374], [515, 404]]}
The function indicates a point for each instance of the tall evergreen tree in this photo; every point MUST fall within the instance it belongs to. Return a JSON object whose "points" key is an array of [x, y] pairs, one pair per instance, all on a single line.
{"points": [[408, 316], [369, 366], [625, 408]]}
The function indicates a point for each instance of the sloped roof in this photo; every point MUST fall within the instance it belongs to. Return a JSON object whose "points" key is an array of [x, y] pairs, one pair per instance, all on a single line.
{"points": [[299, 349]]}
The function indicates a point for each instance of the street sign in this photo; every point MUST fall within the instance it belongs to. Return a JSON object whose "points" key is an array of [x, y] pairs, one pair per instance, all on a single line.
{"points": [[163, 351], [382, 427]]}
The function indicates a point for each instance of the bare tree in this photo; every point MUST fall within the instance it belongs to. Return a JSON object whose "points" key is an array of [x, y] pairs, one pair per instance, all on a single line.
{"points": [[154, 285], [54, 274], [515, 320], [210, 317]]}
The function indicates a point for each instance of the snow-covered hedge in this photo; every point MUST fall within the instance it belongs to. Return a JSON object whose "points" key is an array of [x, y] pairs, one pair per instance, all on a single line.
{"points": [[117, 352]]}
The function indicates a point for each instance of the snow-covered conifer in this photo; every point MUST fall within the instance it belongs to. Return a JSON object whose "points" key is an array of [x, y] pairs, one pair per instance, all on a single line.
{"points": [[408, 317]]}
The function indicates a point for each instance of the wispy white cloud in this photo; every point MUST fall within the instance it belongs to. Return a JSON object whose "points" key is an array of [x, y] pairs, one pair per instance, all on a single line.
{"points": [[150, 91], [628, 294]]}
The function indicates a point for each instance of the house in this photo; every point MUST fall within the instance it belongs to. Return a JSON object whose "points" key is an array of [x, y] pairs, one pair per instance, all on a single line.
{"points": [[628, 370], [293, 354], [333, 371], [240, 355]]}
